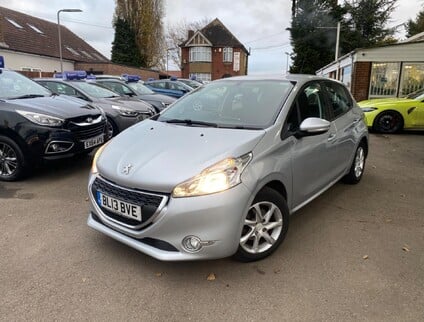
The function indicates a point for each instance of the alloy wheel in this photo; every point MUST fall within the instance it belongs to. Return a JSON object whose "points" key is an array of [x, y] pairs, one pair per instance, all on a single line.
{"points": [[8, 160], [359, 162], [262, 227]]}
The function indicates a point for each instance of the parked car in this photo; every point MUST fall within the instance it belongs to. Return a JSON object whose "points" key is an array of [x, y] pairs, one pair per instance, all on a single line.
{"points": [[168, 87], [390, 115], [137, 90], [37, 125], [190, 82], [219, 172], [121, 112]]}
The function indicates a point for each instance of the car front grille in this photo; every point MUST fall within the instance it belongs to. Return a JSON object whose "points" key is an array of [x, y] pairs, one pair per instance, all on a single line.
{"points": [[86, 131], [149, 202]]}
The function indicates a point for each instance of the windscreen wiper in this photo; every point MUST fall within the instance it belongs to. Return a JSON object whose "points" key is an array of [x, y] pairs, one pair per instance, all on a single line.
{"points": [[27, 96], [191, 122]]}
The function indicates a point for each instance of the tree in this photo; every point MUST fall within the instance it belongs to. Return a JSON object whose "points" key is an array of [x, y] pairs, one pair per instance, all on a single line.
{"points": [[362, 25], [124, 46], [366, 22], [417, 26], [177, 33], [312, 41], [144, 17]]}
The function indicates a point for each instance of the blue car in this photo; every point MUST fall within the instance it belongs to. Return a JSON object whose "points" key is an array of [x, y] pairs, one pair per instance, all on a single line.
{"points": [[168, 87]]}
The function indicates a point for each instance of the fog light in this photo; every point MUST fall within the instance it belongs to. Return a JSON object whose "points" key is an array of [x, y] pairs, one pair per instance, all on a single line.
{"points": [[55, 147], [192, 244]]}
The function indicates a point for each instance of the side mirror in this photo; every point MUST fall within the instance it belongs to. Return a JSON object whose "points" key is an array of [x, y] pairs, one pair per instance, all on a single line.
{"points": [[313, 126]]}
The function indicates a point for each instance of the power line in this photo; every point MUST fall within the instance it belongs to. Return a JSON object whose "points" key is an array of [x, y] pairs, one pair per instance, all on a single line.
{"points": [[86, 23], [266, 37], [272, 46]]}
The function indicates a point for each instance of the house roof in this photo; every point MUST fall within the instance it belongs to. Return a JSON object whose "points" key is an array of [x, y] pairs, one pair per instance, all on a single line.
{"points": [[24, 33], [415, 38], [218, 35]]}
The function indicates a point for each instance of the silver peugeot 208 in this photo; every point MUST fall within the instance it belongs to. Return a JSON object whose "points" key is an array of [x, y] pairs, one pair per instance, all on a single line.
{"points": [[220, 171]]}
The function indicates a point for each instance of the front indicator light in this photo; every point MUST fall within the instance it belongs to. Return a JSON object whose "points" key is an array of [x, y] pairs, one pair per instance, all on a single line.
{"points": [[219, 177], [99, 151]]}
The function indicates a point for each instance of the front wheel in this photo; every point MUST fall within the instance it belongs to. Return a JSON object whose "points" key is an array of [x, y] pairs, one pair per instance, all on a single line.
{"points": [[12, 160], [265, 226], [388, 122]]}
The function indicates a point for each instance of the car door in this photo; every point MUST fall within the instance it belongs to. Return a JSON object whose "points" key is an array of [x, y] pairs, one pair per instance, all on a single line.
{"points": [[344, 120], [311, 162]]}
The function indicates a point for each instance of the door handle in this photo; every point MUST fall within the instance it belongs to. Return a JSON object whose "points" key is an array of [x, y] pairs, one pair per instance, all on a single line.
{"points": [[331, 137], [356, 121]]}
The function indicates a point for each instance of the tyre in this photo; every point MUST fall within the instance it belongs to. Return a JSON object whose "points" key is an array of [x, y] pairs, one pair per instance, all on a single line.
{"points": [[388, 122], [265, 226], [111, 129], [13, 164], [358, 166]]}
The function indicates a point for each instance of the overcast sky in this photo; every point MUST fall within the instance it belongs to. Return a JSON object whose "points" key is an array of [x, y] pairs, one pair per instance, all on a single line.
{"points": [[259, 25]]}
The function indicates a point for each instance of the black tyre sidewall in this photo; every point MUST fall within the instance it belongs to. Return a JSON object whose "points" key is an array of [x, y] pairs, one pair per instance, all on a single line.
{"points": [[351, 178], [267, 194], [397, 128], [22, 167]]}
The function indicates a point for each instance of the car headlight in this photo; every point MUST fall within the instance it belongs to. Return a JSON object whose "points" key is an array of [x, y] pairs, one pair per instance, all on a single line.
{"points": [[125, 111], [368, 109], [42, 119], [219, 177], [96, 157]]}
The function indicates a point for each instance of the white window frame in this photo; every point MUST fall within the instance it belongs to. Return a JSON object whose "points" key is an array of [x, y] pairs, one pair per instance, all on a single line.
{"points": [[227, 54], [200, 54], [204, 77]]}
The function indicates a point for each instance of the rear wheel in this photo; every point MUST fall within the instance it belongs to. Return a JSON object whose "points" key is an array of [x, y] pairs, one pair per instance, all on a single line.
{"points": [[388, 122], [358, 166], [265, 226], [12, 160]]}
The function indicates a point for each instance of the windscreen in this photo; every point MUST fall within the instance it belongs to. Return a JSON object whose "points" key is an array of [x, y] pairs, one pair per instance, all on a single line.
{"points": [[94, 90], [232, 103], [14, 85]]}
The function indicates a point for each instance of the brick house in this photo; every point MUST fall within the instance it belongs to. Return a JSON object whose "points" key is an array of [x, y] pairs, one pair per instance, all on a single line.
{"points": [[387, 71], [213, 52], [31, 45]]}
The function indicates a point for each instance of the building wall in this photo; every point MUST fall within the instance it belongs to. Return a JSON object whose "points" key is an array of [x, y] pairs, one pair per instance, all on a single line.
{"points": [[16, 61], [361, 80], [115, 69], [218, 68]]}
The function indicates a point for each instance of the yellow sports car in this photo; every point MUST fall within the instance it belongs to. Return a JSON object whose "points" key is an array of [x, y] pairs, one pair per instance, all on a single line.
{"points": [[390, 115]]}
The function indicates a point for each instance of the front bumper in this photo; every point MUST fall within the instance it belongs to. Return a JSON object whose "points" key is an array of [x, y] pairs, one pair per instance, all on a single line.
{"points": [[215, 219]]}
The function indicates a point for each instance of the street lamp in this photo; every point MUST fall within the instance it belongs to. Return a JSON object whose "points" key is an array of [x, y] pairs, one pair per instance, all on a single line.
{"points": [[60, 39], [336, 54], [287, 62]]}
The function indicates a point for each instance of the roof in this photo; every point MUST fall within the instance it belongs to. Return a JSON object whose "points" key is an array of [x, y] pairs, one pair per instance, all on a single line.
{"points": [[218, 35], [414, 38], [28, 34]]}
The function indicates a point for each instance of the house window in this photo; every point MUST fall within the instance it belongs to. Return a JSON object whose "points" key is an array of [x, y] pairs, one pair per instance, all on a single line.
{"points": [[384, 79], [204, 77], [35, 29], [200, 54], [228, 55], [412, 78], [347, 75], [13, 22]]}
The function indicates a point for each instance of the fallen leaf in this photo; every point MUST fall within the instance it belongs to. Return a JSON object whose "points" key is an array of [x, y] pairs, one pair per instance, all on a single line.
{"points": [[277, 270], [211, 277], [405, 249], [260, 271], [86, 199], [388, 220], [365, 257], [158, 274], [402, 195], [84, 279], [374, 167]]}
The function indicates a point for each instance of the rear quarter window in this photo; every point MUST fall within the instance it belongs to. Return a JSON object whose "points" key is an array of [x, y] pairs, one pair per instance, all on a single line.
{"points": [[340, 100]]}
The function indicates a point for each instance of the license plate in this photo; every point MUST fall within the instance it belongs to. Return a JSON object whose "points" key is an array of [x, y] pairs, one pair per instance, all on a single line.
{"points": [[122, 208], [93, 141]]}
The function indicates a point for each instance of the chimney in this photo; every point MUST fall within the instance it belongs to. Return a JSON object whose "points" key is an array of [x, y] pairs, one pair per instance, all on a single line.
{"points": [[2, 43], [190, 33]]}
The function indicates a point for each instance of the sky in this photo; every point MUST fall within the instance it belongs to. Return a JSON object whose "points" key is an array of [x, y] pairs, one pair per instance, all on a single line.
{"points": [[259, 25]]}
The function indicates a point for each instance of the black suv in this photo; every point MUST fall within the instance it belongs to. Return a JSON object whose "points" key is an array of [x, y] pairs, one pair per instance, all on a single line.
{"points": [[36, 124]]}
